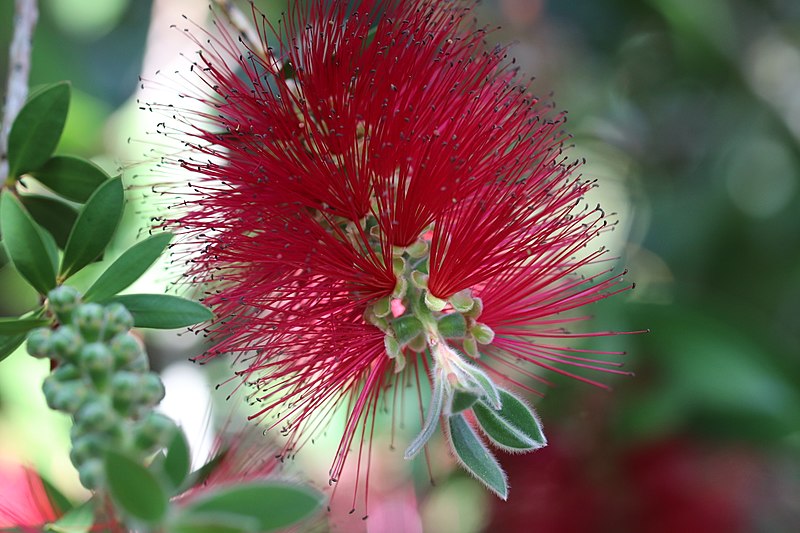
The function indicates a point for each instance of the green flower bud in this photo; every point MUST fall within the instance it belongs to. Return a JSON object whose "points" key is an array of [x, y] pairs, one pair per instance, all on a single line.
{"points": [[63, 300], [125, 349], [66, 372], [154, 431], [482, 333], [125, 390], [97, 360], [40, 344], [95, 416], [151, 389], [91, 474], [67, 342], [118, 319], [90, 319], [85, 448]]}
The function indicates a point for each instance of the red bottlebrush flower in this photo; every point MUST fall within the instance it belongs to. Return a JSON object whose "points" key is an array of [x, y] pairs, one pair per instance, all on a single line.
{"points": [[379, 202]]}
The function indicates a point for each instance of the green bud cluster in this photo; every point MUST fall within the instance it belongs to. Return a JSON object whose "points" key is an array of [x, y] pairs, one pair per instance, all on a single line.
{"points": [[102, 380]]}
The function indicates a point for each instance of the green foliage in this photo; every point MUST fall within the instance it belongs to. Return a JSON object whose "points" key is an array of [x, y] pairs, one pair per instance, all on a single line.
{"points": [[271, 505], [135, 489], [13, 326], [128, 267], [54, 215], [27, 245], [475, 457], [178, 460], [72, 177], [163, 311], [37, 129], [513, 427], [96, 224]]}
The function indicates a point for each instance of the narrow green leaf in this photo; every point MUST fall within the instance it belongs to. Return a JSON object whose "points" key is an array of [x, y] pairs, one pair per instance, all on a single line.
{"points": [[61, 504], [462, 400], [72, 177], [475, 457], [431, 422], [163, 311], [275, 505], [128, 267], [9, 343], [484, 383], [94, 228], [77, 520], [52, 214], [14, 326], [26, 244], [37, 128], [178, 460], [134, 488], [214, 523], [514, 427]]}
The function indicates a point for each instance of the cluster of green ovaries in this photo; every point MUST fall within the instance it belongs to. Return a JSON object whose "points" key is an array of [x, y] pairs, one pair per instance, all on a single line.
{"points": [[416, 322], [103, 380]]}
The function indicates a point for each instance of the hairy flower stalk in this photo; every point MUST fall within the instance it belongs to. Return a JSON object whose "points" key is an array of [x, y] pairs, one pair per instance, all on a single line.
{"points": [[381, 203]]}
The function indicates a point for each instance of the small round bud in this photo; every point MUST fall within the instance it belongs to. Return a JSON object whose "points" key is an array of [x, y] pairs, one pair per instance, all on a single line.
{"points": [[67, 342], [91, 474], [118, 319], [154, 431], [95, 416], [66, 372], [39, 343], [125, 390], [151, 389], [63, 300], [89, 319], [98, 361], [126, 349]]}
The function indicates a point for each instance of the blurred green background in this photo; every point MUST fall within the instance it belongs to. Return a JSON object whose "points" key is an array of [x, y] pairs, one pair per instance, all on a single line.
{"points": [[688, 112]]}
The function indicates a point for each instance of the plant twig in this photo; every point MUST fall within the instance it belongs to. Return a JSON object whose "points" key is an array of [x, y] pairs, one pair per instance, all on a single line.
{"points": [[26, 14]]}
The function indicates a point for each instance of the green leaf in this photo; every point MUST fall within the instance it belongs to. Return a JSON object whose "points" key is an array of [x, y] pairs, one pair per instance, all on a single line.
{"points": [[74, 178], [134, 488], [94, 228], [199, 476], [61, 504], [37, 129], [462, 400], [475, 457], [52, 214], [26, 244], [214, 523], [435, 407], [77, 520], [275, 505], [9, 343], [13, 326], [163, 311], [128, 267], [484, 383], [514, 427], [178, 460]]}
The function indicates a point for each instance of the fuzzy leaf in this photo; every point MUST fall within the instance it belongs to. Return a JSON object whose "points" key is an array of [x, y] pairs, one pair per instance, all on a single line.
{"points": [[77, 520], [178, 460], [134, 488], [163, 311], [14, 326], [37, 129], [435, 407], [514, 427], [462, 400], [485, 384], [94, 228], [54, 215], [275, 505], [475, 457], [26, 244], [128, 267], [74, 178]]}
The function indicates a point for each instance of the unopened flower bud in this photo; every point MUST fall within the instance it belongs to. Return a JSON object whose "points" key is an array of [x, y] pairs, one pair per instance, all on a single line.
{"points": [[96, 416], [66, 342], [154, 431], [125, 349], [39, 343], [118, 319], [482, 333], [151, 389], [91, 474], [98, 361], [89, 318], [124, 390], [63, 300]]}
